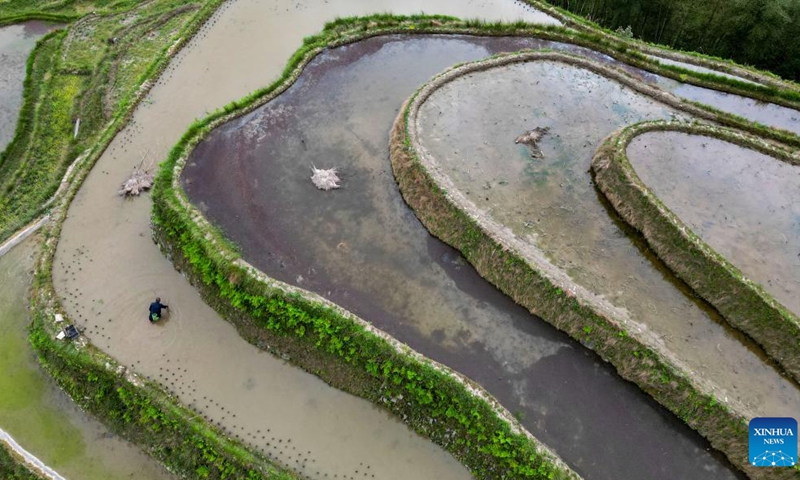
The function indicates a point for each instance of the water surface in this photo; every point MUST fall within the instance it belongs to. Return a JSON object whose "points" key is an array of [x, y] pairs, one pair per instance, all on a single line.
{"points": [[551, 202], [363, 248], [16, 44], [744, 204], [108, 270], [41, 417]]}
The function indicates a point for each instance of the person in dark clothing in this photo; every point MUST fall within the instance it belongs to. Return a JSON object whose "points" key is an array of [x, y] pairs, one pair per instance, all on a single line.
{"points": [[155, 310]]}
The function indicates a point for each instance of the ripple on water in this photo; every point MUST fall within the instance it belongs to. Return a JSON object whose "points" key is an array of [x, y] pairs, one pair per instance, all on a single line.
{"points": [[551, 202], [363, 248], [744, 204]]}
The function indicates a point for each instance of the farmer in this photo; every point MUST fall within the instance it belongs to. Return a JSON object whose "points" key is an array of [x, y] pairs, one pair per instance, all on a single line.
{"points": [[155, 310]]}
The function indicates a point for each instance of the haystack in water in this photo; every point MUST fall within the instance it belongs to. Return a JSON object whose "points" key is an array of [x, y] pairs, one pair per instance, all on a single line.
{"points": [[531, 138], [140, 180], [325, 179]]}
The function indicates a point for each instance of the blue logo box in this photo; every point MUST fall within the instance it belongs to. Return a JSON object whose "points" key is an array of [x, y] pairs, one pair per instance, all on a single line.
{"points": [[773, 442]]}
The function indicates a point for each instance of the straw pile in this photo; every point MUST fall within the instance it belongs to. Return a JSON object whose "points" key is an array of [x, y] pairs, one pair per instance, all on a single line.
{"points": [[140, 180], [325, 179]]}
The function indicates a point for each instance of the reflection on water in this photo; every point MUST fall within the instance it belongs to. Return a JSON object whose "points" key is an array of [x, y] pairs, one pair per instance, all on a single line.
{"points": [[16, 43], [744, 204], [551, 202], [363, 248], [765, 113]]}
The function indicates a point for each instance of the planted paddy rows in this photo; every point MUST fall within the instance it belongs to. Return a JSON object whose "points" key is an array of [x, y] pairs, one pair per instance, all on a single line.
{"points": [[362, 248], [107, 269], [40, 416], [175, 378]]}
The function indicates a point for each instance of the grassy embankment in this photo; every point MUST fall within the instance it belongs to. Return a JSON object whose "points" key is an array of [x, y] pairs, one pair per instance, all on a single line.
{"points": [[12, 469], [270, 313], [535, 285], [345, 351], [81, 74], [93, 82], [742, 302], [45, 302]]}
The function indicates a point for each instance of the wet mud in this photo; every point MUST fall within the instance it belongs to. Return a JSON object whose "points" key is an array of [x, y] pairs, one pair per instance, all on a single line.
{"points": [[32, 409], [41, 417], [361, 247], [16, 44], [744, 204], [107, 269], [552, 203]]}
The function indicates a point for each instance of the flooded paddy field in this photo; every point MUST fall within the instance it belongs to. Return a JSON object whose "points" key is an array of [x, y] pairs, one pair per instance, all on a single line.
{"points": [[698, 68], [551, 203], [768, 114], [742, 203], [39, 416], [107, 269], [16, 44], [33, 410], [362, 248]]}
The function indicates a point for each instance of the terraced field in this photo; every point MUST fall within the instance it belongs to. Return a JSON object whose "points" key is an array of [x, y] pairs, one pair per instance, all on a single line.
{"points": [[471, 303]]}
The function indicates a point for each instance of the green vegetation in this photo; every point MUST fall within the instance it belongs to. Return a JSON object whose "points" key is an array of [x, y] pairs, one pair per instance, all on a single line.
{"points": [[10, 469], [15, 11], [270, 313], [529, 283], [764, 33], [744, 304], [436, 402], [143, 414], [97, 71], [83, 74], [93, 74]]}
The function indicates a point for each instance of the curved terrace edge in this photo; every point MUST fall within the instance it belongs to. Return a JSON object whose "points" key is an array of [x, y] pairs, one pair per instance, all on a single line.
{"points": [[45, 302], [744, 303], [522, 271], [237, 290]]}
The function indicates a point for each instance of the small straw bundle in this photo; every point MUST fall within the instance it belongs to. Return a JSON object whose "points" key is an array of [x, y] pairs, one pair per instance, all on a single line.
{"points": [[325, 179], [140, 180]]}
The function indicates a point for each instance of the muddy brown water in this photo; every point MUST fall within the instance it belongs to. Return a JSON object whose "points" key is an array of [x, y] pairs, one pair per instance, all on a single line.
{"points": [[362, 247], [32, 409], [41, 417], [107, 269], [16, 44], [551, 202], [744, 204]]}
